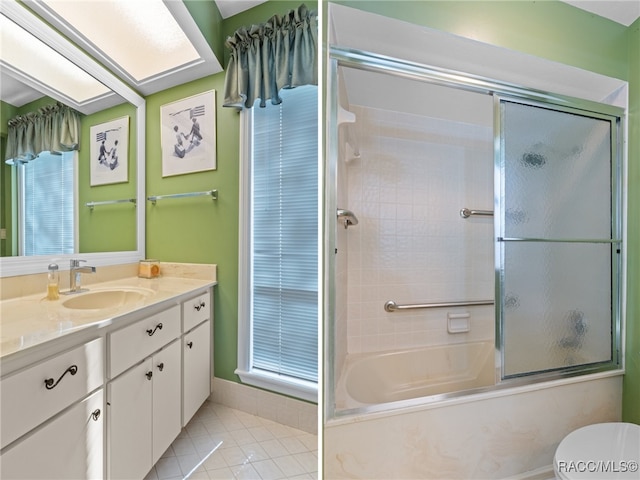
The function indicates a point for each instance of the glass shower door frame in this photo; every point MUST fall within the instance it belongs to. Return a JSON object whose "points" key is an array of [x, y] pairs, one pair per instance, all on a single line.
{"points": [[610, 114], [368, 61]]}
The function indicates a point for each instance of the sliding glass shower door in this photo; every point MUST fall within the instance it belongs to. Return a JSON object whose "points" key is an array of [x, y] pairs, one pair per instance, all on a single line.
{"points": [[559, 238]]}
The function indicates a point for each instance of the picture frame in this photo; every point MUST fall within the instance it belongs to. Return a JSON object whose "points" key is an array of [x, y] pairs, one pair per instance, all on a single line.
{"points": [[188, 134], [109, 151]]}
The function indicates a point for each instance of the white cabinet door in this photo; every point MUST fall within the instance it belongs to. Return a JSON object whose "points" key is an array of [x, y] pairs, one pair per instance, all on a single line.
{"points": [[31, 396], [166, 398], [129, 420], [69, 447], [196, 375]]}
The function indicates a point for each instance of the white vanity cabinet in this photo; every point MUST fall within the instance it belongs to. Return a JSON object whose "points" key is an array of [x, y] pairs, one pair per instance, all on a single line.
{"points": [[68, 447], [43, 413], [197, 354], [196, 378], [143, 403], [108, 401]]}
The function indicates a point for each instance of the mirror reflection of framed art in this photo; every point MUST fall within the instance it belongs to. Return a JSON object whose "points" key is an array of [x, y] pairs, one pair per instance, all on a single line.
{"points": [[109, 152]]}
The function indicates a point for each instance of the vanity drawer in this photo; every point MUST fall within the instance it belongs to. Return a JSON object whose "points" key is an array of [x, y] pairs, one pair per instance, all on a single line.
{"points": [[137, 341], [196, 311], [31, 396]]}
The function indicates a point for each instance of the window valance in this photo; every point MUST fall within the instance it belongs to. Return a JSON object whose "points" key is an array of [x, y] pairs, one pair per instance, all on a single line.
{"points": [[53, 128], [281, 53]]}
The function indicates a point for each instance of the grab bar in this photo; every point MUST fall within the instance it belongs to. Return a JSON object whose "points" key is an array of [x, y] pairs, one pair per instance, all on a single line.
{"points": [[349, 217], [466, 213], [392, 306]]}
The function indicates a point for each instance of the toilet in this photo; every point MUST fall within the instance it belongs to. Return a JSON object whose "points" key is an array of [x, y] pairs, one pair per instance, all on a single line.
{"points": [[599, 452]]}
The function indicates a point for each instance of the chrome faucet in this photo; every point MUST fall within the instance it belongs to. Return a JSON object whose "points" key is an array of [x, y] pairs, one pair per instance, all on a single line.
{"points": [[74, 275]]}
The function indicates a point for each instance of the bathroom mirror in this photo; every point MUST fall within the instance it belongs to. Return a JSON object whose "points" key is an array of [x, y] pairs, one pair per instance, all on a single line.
{"points": [[133, 107]]}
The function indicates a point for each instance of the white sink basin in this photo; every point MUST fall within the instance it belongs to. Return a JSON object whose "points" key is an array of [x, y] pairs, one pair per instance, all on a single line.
{"points": [[106, 298]]}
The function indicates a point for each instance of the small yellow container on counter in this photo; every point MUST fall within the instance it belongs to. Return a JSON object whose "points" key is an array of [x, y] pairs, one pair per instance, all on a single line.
{"points": [[149, 268]]}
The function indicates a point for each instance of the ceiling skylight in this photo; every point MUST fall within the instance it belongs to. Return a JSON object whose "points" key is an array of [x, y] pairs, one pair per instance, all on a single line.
{"points": [[141, 37], [28, 59]]}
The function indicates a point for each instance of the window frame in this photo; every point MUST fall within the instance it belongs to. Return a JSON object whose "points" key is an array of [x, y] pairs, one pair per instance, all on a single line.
{"points": [[297, 388]]}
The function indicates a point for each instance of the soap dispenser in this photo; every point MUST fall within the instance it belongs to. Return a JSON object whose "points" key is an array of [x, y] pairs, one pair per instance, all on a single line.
{"points": [[53, 281]]}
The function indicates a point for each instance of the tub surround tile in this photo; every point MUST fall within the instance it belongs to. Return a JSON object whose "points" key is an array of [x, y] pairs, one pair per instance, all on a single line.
{"points": [[488, 438], [409, 224]]}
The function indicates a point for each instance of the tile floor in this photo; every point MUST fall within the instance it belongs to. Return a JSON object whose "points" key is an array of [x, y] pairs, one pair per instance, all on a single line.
{"points": [[222, 443]]}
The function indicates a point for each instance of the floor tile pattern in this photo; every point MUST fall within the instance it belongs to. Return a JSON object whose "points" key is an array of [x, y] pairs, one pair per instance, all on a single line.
{"points": [[224, 443]]}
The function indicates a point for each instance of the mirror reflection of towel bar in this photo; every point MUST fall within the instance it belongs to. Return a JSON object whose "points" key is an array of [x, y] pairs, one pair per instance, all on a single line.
{"points": [[392, 306], [466, 213], [91, 205]]}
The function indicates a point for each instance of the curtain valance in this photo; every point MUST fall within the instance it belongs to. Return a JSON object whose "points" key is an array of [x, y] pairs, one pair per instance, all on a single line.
{"points": [[54, 128], [281, 53]]}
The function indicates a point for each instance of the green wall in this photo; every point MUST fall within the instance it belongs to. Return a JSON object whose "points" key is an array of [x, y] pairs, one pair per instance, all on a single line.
{"points": [[559, 32], [200, 230], [548, 29], [631, 389], [108, 228], [209, 21]]}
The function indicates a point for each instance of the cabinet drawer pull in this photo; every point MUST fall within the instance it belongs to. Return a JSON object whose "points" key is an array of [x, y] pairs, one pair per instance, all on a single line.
{"points": [[49, 382], [149, 375], [190, 344], [161, 366], [96, 414], [151, 332], [200, 305]]}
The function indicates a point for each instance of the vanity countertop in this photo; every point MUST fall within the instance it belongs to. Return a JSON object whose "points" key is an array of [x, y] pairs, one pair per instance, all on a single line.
{"points": [[32, 320]]}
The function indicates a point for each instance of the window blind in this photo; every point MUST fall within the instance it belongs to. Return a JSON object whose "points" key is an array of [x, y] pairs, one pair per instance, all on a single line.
{"points": [[284, 235], [48, 204]]}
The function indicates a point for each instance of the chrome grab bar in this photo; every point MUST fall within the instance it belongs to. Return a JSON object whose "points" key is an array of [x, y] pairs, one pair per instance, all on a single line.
{"points": [[349, 218], [466, 213], [392, 306]]}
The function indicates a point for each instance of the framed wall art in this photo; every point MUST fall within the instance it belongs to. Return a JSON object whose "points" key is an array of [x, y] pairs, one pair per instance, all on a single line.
{"points": [[188, 134], [110, 152]]}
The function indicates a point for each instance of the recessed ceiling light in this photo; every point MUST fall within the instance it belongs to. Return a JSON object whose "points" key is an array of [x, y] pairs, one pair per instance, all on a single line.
{"points": [[141, 36], [30, 60]]}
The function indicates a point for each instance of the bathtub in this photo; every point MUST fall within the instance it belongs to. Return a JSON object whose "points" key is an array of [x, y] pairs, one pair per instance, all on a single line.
{"points": [[378, 378]]}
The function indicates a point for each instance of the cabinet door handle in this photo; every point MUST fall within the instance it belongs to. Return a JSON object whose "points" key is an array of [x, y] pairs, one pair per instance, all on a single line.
{"points": [[200, 305], [96, 414], [190, 344], [161, 366], [151, 332], [149, 375], [49, 383]]}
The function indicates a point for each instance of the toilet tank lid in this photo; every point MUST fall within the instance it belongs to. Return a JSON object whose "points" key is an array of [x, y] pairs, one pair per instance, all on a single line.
{"points": [[615, 441]]}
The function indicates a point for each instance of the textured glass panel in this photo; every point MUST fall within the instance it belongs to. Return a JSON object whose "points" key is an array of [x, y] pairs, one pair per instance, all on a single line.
{"points": [[557, 174], [556, 305]]}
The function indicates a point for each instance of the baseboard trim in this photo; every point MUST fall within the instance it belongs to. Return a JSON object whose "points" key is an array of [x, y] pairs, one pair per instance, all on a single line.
{"points": [[272, 406]]}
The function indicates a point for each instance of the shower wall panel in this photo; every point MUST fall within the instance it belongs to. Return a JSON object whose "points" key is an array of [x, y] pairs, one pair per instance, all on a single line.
{"points": [[413, 177]]}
